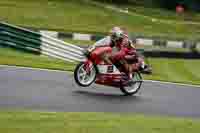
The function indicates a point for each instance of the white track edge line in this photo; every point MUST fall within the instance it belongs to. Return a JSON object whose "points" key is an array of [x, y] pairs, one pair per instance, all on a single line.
{"points": [[51, 70], [30, 68], [173, 83]]}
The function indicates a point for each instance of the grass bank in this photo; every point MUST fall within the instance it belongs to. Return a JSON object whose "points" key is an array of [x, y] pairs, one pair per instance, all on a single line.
{"points": [[168, 15], [83, 16], [10, 56], [80, 43], [40, 122], [175, 70]]}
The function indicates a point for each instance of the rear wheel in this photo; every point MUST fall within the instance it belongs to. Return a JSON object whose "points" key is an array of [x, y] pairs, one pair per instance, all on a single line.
{"points": [[82, 77], [133, 87]]}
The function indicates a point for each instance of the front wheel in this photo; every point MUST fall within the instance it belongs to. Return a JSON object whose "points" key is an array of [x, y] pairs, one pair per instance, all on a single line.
{"points": [[134, 87], [82, 77]]}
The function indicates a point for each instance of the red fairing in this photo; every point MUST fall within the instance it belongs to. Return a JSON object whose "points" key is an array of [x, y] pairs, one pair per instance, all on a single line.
{"points": [[87, 65], [109, 79], [96, 54]]}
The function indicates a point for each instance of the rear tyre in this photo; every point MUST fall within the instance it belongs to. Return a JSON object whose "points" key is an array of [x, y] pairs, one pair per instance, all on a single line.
{"points": [[83, 78], [134, 87]]}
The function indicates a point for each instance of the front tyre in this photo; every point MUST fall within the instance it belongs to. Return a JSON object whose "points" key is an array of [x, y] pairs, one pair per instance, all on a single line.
{"points": [[134, 87], [82, 77]]}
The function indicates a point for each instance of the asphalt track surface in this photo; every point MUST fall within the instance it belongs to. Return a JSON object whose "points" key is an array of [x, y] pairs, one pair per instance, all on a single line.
{"points": [[38, 90]]}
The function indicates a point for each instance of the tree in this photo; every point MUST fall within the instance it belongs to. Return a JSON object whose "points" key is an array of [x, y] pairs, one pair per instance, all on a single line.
{"points": [[192, 5]]}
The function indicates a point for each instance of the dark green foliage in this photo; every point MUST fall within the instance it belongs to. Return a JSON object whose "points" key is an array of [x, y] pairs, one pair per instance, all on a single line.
{"points": [[192, 5], [135, 2], [188, 4]]}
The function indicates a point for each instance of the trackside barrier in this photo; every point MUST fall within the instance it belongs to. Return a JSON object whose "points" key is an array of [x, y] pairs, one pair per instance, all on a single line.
{"points": [[35, 42]]}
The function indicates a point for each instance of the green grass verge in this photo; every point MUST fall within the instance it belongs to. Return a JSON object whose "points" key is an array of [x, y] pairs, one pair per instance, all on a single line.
{"points": [[84, 16], [81, 43], [159, 13], [175, 70], [10, 56], [41, 122]]}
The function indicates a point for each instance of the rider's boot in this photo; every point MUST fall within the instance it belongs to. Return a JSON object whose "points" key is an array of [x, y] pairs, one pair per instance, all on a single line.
{"points": [[146, 69]]}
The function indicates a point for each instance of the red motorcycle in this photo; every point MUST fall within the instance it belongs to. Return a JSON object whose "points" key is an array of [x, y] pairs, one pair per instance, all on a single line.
{"points": [[93, 69]]}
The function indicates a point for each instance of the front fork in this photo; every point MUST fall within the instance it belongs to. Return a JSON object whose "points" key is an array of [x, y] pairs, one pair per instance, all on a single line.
{"points": [[88, 66]]}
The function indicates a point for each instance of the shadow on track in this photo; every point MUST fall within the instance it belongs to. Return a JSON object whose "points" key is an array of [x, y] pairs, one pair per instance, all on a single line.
{"points": [[108, 96]]}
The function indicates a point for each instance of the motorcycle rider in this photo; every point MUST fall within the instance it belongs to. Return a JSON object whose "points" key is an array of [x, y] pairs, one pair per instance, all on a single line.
{"points": [[123, 50]]}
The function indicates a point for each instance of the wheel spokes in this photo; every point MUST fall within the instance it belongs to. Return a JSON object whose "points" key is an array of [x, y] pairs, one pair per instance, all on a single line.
{"points": [[84, 76], [137, 82]]}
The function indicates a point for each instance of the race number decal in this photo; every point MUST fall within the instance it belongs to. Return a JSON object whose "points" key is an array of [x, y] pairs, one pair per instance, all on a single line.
{"points": [[110, 69]]}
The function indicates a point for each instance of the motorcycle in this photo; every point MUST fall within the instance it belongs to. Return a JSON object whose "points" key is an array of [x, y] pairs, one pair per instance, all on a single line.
{"points": [[94, 70]]}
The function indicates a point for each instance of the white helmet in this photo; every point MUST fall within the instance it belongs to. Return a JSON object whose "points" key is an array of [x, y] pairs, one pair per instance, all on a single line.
{"points": [[117, 34]]}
